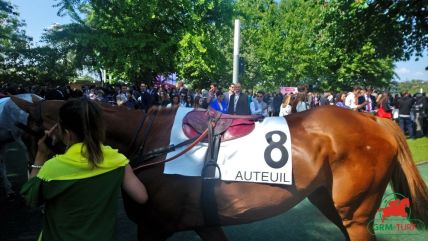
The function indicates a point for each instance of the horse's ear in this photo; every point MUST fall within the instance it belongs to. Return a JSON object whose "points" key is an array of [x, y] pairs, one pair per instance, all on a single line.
{"points": [[23, 104]]}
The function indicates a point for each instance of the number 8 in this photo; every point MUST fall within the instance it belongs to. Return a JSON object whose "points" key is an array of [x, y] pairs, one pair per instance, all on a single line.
{"points": [[279, 145]]}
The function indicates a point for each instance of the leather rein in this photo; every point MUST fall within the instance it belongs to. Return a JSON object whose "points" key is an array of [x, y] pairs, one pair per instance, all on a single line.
{"points": [[164, 150]]}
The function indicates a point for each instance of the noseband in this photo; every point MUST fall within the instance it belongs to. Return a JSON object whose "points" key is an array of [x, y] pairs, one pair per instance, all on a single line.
{"points": [[38, 113], [36, 116]]}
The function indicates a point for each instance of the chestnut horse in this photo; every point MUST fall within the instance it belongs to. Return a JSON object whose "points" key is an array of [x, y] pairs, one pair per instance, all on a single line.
{"points": [[342, 162]]}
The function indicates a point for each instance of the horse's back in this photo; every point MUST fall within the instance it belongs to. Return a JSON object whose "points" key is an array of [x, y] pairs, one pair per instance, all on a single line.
{"points": [[342, 126], [331, 144]]}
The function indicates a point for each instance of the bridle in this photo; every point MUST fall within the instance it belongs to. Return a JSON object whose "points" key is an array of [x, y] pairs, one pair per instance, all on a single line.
{"points": [[38, 113], [136, 155], [36, 117]]}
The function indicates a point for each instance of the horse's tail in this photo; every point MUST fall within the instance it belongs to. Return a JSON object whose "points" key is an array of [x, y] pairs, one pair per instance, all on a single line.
{"points": [[406, 178]]}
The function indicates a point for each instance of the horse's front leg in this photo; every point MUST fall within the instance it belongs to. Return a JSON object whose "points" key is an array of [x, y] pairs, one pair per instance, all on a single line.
{"points": [[211, 234]]}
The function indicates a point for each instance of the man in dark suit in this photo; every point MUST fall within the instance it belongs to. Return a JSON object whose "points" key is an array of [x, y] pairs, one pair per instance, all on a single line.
{"points": [[145, 99], [367, 97], [229, 93], [372, 101], [238, 103]]}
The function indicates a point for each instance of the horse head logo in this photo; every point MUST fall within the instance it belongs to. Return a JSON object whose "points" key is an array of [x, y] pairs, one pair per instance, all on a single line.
{"points": [[395, 207]]}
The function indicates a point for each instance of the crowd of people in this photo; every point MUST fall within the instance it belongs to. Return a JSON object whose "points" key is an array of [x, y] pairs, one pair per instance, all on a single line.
{"points": [[410, 111]]}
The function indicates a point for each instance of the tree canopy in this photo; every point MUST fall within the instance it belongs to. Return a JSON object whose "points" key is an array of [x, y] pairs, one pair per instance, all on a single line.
{"points": [[13, 43], [332, 44], [137, 40], [21, 62]]}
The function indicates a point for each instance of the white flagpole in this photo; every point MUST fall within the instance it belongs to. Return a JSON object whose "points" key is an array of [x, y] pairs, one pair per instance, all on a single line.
{"points": [[236, 41]]}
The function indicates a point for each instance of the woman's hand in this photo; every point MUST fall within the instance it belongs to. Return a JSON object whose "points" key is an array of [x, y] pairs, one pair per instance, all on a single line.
{"points": [[42, 148], [43, 152]]}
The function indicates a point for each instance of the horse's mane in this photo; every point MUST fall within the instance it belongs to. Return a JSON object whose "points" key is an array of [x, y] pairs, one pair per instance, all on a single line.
{"points": [[161, 110], [106, 107]]}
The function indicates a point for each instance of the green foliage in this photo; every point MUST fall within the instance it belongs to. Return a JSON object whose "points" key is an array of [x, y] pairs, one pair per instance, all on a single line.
{"points": [[365, 37], [400, 25], [20, 63], [50, 66], [253, 15], [299, 51], [136, 40], [131, 39], [328, 44], [356, 48], [296, 41], [204, 47], [13, 44], [413, 86]]}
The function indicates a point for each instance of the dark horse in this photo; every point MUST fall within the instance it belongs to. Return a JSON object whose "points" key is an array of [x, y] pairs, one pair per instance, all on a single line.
{"points": [[342, 162]]}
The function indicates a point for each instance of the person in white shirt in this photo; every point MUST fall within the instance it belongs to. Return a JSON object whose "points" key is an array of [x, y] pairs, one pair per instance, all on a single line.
{"points": [[351, 100], [258, 106], [285, 108]]}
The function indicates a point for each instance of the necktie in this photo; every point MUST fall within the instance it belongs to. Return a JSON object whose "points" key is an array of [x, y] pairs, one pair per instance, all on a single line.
{"points": [[236, 102], [369, 105]]}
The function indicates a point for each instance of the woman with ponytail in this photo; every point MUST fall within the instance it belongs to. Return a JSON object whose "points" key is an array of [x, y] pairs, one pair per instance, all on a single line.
{"points": [[80, 188]]}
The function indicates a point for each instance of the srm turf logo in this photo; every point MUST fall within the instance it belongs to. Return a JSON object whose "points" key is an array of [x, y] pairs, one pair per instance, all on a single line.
{"points": [[393, 217]]}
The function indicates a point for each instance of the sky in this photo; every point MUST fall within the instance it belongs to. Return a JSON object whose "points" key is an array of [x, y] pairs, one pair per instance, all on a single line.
{"points": [[40, 14]]}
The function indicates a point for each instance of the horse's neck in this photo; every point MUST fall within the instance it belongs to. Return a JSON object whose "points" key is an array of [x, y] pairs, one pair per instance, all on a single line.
{"points": [[119, 126], [129, 130]]}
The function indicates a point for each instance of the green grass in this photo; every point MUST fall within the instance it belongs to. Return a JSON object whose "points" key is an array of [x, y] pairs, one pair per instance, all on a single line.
{"points": [[419, 149]]}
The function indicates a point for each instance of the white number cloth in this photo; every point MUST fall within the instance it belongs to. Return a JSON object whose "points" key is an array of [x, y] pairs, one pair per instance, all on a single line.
{"points": [[262, 156]]}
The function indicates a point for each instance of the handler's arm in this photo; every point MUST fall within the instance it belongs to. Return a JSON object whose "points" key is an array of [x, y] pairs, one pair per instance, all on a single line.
{"points": [[133, 186], [43, 152]]}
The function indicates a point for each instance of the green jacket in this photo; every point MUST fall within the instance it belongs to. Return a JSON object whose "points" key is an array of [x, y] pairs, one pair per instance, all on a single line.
{"points": [[80, 201]]}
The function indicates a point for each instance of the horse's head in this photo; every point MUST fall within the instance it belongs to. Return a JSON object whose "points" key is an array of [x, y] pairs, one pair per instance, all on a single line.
{"points": [[42, 115]]}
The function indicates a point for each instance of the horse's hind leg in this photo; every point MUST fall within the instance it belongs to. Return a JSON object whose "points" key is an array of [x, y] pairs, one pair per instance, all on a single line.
{"points": [[211, 233], [357, 219], [353, 219], [322, 199]]}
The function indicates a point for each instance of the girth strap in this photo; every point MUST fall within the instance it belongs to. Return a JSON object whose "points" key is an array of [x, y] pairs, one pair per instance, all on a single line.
{"points": [[209, 180]]}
